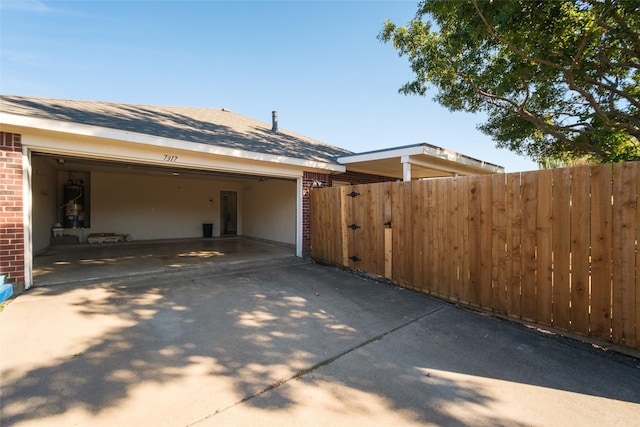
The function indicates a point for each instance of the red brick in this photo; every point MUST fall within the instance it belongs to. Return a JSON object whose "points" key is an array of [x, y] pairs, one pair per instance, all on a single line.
{"points": [[11, 206]]}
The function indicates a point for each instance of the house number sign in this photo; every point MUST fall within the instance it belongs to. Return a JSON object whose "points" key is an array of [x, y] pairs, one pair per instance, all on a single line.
{"points": [[170, 159]]}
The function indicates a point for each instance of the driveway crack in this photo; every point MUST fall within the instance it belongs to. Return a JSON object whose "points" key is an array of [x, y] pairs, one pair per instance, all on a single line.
{"points": [[326, 362]]}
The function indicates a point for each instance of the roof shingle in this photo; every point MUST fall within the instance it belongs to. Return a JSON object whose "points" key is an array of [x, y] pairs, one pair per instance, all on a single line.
{"points": [[216, 127]]}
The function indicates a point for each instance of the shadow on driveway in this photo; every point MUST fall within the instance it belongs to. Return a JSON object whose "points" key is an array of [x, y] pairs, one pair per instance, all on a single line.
{"points": [[289, 340]]}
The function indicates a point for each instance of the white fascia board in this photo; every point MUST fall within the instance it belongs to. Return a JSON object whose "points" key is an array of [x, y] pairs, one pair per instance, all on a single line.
{"points": [[157, 141]]}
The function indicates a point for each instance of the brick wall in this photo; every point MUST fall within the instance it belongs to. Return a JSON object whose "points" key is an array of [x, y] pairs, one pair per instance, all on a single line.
{"points": [[11, 209], [312, 179], [308, 181]]}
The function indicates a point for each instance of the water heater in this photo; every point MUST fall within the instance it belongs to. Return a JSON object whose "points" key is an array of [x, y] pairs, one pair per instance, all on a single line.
{"points": [[73, 205]]}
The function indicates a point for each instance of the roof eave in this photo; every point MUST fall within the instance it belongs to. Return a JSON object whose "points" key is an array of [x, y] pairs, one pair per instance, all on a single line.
{"points": [[146, 139]]}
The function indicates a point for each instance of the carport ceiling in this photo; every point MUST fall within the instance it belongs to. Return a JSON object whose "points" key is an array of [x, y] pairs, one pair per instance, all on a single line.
{"points": [[79, 164]]}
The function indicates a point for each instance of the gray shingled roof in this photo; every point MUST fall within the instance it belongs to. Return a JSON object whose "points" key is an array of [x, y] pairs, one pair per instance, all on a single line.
{"points": [[216, 127]]}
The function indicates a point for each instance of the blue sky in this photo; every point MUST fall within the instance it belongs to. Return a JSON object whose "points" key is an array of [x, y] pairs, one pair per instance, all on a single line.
{"points": [[318, 63]]}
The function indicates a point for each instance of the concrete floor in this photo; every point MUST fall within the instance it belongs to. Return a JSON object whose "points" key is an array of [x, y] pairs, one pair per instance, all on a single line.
{"points": [[87, 262], [282, 341]]}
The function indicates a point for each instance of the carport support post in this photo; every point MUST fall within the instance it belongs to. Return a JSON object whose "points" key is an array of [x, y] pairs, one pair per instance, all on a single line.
{"points": [[27, 217], [406, 168], [299, 216]]}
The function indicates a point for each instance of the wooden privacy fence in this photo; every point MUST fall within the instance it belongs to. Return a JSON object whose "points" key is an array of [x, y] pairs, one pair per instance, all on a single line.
{"points": [[557, 247]]}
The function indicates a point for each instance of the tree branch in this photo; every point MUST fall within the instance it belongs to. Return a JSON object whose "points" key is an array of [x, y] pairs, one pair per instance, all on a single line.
{"points": [[511, 46], [614, 89], [622, 23], [568, 73], [532, 118]]}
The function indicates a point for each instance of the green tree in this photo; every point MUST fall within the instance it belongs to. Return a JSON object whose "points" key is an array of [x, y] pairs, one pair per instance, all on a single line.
{"points": [[557, 79]]}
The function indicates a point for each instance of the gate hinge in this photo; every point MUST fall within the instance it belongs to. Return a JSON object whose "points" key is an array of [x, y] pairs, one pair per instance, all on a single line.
{"points": [[353, 194], [353, 226], [354, 258]]}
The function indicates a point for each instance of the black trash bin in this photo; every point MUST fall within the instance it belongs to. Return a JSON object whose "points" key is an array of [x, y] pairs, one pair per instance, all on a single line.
{"points": [[207, 230]]}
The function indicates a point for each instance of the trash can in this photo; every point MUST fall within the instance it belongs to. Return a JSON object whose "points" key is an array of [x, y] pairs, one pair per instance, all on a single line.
{"points": [[207, 230]]}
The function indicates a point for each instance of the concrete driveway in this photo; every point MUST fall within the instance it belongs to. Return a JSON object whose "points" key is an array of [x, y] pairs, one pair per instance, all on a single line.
{"points": [[289, 342]]}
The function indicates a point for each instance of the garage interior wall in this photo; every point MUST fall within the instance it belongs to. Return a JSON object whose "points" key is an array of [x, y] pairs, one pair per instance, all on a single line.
{"points": [[157, 205], [44, 200], [269, 210]]}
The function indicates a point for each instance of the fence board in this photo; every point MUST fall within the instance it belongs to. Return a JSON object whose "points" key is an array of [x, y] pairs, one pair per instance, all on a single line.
{"points": [[420, 266], [580, 251], [388, 234], [373, 228], [342, 220], [529, 266], [544, 261], [499, 242], [514, 248], [402, 233], [636, 285], [475, 237], [624, 215], [323, 225], [351, 213], [455, 241], [463, 239], [485, 238], [365, 209], [363, 236], [369, 243], [560, 208], [317, 229], [444, 263], [601, 241], [430, 225]]}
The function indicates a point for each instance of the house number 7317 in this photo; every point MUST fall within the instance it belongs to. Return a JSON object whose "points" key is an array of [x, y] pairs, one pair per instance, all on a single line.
{"points": [[170, 159]]}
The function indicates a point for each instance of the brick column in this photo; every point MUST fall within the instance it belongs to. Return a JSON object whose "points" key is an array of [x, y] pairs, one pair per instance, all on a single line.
{"points": [[11, 209], [308, 179]]}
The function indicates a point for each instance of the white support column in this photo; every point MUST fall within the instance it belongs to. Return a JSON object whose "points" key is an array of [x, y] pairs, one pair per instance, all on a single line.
{"points": [[27, 217], [406, 168], [299, 215]]}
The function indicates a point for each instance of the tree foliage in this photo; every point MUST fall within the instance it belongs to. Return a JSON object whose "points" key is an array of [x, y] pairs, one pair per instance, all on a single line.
{"points": [[557, 79]]}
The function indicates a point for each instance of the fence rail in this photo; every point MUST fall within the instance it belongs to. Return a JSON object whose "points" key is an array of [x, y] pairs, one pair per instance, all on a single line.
{"points": [[557, 247]]}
